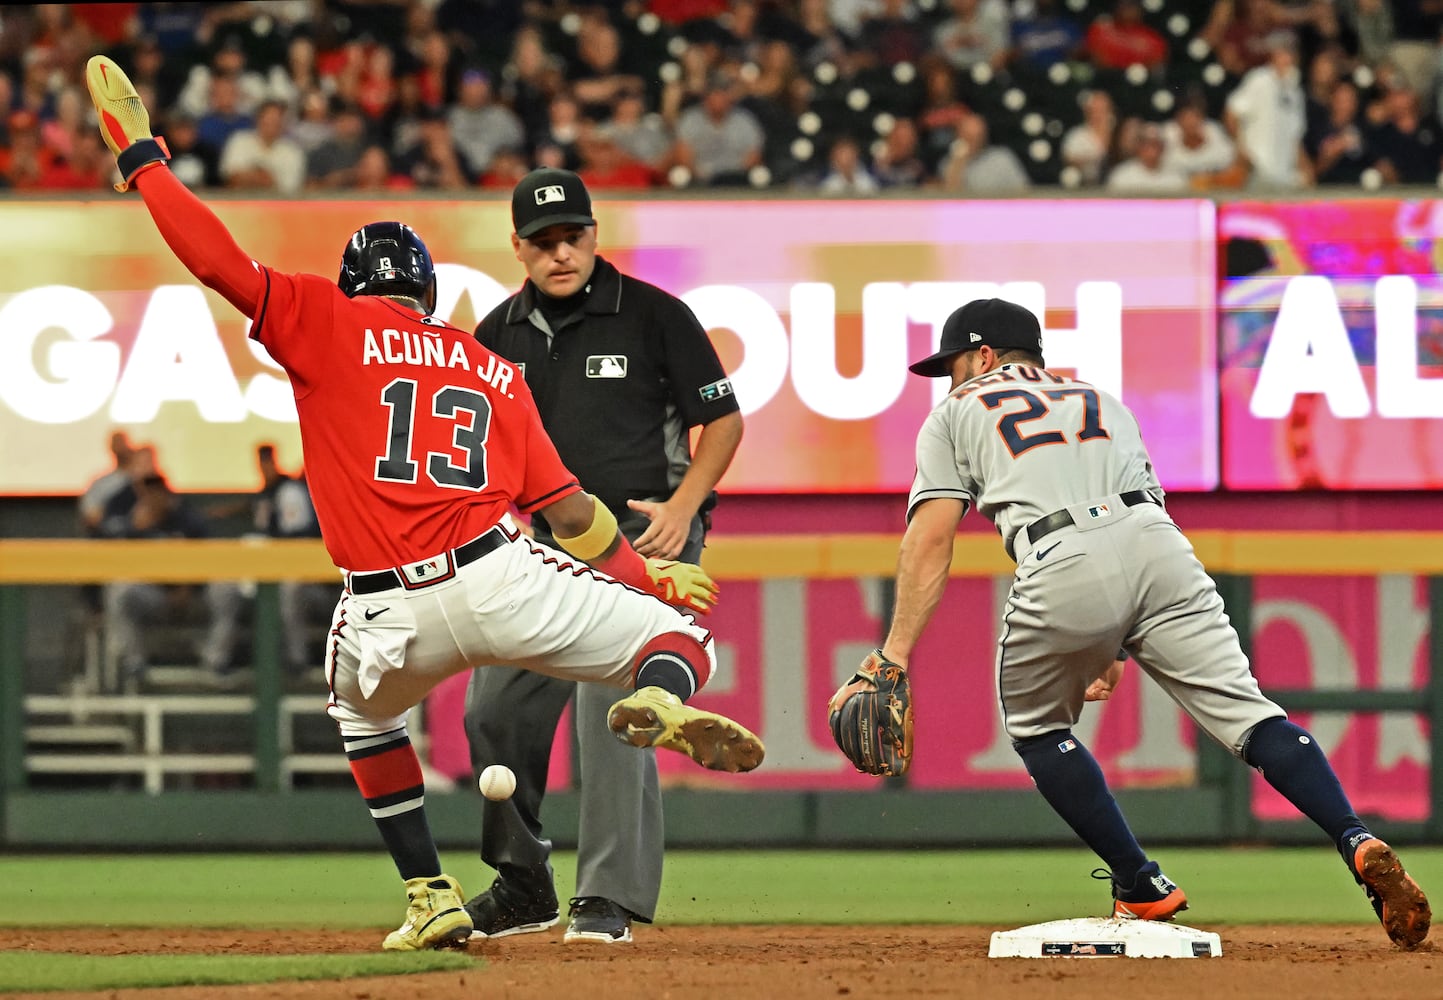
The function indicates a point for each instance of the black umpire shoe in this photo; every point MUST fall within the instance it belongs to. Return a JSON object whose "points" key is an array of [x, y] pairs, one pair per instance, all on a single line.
{"points": [[514, 906], [600, 920]]}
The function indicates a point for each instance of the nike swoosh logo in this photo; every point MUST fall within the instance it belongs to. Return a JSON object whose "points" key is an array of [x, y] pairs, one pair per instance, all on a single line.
{"points": [[1042, 554], [372, 614]]}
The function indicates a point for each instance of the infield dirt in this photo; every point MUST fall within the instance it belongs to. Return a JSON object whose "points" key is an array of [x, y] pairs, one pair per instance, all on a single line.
{"points": [[793, 963]]}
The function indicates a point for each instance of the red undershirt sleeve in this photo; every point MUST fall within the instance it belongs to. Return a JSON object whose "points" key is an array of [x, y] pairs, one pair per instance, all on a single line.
{"points": [[201, 241]]}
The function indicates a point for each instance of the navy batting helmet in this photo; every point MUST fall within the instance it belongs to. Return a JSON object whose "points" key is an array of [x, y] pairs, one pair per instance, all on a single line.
{"points": [[388, 258]]}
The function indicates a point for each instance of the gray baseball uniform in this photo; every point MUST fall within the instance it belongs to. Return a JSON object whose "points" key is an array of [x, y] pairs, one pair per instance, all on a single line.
{"points": [[1061, 468]]}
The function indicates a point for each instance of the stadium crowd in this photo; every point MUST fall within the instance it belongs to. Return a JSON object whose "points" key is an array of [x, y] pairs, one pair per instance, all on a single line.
{"points": [[846, 97]]}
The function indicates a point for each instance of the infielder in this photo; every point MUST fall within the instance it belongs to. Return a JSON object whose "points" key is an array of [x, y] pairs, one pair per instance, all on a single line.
{"points": [[417, 441], [1059, 466]]}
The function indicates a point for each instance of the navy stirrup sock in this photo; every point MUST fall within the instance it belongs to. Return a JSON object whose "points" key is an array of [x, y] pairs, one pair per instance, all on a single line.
{"points": [[1290, 759], [1069, 779]]}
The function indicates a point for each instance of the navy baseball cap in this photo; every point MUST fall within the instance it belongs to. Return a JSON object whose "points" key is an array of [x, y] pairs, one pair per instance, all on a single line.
{"points": [[549, 197], [995, 323]]}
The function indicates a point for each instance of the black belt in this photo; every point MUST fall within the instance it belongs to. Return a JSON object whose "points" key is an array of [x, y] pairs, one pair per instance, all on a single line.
{"points": [[461, 555], [1045, 526]]}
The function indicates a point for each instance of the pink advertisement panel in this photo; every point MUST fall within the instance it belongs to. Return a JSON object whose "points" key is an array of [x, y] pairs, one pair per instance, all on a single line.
{"points": [[816, 308], [1331, 357], [786, 644]]}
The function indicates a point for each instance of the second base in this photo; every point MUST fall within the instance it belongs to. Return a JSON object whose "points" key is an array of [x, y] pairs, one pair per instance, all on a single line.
{"points": [[1099, 937]]}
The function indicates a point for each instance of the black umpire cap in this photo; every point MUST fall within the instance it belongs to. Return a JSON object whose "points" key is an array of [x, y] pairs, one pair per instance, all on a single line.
{"points": [[995, 323], [549, 197]]}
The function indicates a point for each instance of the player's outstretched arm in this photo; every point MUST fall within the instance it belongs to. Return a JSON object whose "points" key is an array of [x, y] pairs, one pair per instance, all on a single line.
{"points": [[584, 527], [199, 239]]}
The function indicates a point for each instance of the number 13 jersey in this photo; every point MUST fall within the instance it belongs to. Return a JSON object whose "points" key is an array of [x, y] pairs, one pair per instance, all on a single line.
{"points": [[416, 438], [1021, 442]]}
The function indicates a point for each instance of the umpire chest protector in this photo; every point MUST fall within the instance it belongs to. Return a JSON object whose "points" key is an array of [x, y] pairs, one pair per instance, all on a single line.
{"points": [[619, 381]]}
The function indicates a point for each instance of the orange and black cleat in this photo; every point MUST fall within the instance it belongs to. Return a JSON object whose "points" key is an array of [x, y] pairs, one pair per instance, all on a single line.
{"points": [[1397, 899], [1152, 895]]}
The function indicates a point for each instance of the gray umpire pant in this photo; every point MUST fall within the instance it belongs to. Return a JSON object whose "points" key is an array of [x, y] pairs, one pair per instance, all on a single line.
{"points": [[511, 718]]}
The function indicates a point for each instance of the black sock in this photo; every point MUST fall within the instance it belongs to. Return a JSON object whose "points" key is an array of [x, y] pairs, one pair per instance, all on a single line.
{"points": [[1290, 760], [667, 672], [1069, 779]]}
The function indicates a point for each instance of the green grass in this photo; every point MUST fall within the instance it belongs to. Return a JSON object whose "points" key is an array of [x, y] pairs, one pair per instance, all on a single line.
{"points": [[990, 887], [45, 971]]}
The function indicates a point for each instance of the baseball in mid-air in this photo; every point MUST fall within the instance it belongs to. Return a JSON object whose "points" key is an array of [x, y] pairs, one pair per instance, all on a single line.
{"points": [[497, 782]]}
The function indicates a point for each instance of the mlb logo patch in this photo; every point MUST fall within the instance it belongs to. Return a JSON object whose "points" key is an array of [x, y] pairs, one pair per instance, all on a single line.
{"points": [[1101, 510], [606, 366], [550, 193], [717, 390], [1067, 745]]}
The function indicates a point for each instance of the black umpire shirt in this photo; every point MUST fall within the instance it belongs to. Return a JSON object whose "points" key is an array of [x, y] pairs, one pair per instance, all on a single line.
{"points": [[619, 381]]}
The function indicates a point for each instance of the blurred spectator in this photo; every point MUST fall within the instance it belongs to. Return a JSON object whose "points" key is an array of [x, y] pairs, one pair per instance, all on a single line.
{"points": [[1266, 115], [228, 63], [974, 166], [333, 164], [698, 63], [562, 128], [1146, 173], [1337, 146], [313, 126], [192, 160], [851, 16], [717, 141], [682, 11], [820, 40], [1044, 35], [1087, 144], [1417, 42], [1371, 22], [373, 172], [108, 23], [27, 161], [299, 78], [282, 509], [223, 118], [605, 165], [481, 31], [895, 162], [1237, 31], [1124, 40], [480, 127], [59, 132], [977, 32], [36, 95], [530, 78], [88, 167], [640, 134], [432, 161], [743, 42], [847, 175], [376, 83], [147, 65], [1324, 72], [1410, 148], [97, 496], [1200, 148], [596, 78], [506, 169], [942, 111], [264, 158], [893, 34], [132, 608], [433, 75]]}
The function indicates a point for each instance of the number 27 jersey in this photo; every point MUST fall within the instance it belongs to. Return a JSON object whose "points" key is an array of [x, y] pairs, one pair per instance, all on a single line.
{"points": [[416, 437], [1021, 442]]}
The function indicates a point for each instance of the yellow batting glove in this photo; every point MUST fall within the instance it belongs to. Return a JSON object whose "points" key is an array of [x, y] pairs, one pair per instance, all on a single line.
{"points": [[682, 585], [124, 122]]}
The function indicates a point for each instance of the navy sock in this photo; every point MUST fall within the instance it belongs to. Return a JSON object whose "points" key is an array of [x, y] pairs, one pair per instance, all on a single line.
{"points": [[1069, 779], [1290, 759]]}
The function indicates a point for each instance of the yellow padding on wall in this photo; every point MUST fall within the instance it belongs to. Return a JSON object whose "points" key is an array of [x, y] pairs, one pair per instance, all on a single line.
{"points": [[729, 557]]}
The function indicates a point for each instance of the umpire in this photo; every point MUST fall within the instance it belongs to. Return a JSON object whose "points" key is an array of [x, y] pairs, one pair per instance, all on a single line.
{"points": [[621, 372]]}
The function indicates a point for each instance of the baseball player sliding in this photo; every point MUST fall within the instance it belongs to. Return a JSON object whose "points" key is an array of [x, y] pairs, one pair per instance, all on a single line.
{"points": [[417, 441], [1059, 466]]}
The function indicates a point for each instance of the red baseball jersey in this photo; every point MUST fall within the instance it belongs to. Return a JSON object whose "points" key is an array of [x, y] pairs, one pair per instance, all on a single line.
{"points": [[416, 437]]}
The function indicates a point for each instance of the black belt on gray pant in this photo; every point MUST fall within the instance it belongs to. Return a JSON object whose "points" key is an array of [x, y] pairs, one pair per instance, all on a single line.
{"points": [[1044, 526], [462, 555]]}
